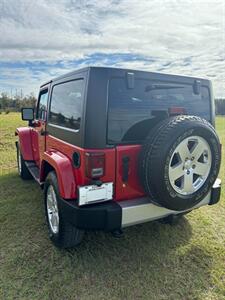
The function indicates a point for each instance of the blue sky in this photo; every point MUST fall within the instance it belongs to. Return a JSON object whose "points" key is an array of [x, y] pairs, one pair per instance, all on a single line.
{"points": [[43, 39]]}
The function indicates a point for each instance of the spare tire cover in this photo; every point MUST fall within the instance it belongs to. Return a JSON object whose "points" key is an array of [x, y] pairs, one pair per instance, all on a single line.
{"points": [[180, 161]]}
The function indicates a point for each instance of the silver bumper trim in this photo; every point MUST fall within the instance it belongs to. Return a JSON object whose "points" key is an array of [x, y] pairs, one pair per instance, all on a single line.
{"points": [[140, 210]]}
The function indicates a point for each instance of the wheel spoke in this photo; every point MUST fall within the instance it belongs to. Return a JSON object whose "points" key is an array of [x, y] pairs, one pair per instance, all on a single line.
{"points": [[54, 202], [57, 219], [54, 220], [188, 183], [198, 150], [50, 203], [51, 217], [176, 172], [52, 209], [187, 173], [201, 168], [183, 151]]}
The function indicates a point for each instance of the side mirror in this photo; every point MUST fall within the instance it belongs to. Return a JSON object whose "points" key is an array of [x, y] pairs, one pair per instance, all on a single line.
{"points": [[27, 114]]}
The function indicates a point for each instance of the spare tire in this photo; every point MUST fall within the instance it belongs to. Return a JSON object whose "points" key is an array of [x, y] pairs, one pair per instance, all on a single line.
{"points": [[180, 161]]}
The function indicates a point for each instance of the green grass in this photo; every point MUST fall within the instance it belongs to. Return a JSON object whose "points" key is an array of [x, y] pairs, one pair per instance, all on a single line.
{"points": [[151, 261], [8, 123]]}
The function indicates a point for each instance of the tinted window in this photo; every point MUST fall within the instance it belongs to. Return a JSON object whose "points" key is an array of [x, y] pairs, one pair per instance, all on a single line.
{"points": [[42, 105], [66, 104], [132, 112]]}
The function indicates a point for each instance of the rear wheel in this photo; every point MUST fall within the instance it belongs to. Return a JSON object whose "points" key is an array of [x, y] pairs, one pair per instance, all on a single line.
{"points": [[21, 166], [62, 233]]}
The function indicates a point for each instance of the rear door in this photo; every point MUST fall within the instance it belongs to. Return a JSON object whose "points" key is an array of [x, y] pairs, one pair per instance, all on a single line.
{"points": [[39, 126], [134, 109]]}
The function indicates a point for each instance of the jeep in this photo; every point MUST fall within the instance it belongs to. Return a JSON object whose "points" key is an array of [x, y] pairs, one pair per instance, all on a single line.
{"points": [[114, 147]]}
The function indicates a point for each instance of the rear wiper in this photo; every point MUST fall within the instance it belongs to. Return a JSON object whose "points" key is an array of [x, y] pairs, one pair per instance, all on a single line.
{"points": [[162, 87]]}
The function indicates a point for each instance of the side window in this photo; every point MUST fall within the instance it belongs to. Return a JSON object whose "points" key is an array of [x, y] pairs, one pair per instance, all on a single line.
{"points": [[42, 105], [66, 104]]}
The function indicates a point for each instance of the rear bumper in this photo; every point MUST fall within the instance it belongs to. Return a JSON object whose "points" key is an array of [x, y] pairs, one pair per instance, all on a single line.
{"points": [[105, 216], [114, 215]]}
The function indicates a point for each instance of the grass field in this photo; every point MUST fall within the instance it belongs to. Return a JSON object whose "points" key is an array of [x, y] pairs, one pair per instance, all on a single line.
{"points": [[151, 261]]}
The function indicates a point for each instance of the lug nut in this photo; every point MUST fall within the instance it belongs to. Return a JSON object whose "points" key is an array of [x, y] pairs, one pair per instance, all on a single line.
{"points": [[188, 172], [192, 158], [193, 167]]}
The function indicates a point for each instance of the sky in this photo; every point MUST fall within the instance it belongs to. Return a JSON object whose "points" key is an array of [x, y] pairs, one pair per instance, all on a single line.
{"points": [[42, 39]]}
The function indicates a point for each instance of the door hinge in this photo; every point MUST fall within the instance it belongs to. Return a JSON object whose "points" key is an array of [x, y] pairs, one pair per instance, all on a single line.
{"points": [[43, 132]]}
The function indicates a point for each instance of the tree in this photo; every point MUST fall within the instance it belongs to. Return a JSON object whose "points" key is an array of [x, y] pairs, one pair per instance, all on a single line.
{"points": [[16, 103]]}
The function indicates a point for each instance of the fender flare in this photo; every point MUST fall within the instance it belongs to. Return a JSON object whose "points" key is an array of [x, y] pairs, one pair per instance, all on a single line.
{"points": [[64, 172], [25, 142]]}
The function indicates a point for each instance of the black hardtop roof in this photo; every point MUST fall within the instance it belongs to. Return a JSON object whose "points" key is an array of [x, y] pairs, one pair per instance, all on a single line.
{"points": [[88, 68]]}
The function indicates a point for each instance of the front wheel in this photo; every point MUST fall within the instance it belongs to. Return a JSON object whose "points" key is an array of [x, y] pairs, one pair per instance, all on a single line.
{"points": [[62, 233]]}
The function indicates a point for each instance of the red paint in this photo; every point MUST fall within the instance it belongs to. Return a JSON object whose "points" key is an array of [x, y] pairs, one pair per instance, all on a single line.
{"points": [[64, 171], [54, 145], [24, 134], [57, 153], [132, 188], [38, 140]]}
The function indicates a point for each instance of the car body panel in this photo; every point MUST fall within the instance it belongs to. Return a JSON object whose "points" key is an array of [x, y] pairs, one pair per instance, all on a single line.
{"points": [[25, 142], [54, 145], [38, 141], [130, 187], [64, 171]]}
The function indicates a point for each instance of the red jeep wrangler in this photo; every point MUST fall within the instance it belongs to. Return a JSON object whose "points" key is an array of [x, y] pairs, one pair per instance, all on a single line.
{"points": [[113, 148]]}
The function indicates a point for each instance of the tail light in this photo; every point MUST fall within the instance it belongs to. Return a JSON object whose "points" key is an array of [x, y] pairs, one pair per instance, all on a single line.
{"points": [[95, 164], [173, 111]]}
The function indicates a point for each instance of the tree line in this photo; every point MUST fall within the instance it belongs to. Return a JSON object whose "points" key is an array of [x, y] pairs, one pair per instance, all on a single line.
{"points": [[15, 103]]}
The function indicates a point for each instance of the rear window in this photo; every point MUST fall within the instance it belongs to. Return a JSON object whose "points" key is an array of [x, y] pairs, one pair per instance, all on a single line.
{"points": [[133, 111], [66, 104]]}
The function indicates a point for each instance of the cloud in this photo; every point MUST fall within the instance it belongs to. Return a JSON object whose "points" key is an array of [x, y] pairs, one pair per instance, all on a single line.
{"points": [[182, 37]]}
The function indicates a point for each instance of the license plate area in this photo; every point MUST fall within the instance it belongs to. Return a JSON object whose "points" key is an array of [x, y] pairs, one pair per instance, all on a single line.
{"points": [[93, 194]]}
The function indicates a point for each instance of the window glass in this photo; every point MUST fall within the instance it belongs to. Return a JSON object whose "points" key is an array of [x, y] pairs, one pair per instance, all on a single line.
{"points": [[66, 104], [132, 112], [42, 105]]}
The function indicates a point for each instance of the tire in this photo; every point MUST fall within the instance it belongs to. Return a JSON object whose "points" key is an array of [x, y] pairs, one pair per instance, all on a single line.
{"points": [[170, 150], [61, 233], [23, 171]]}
